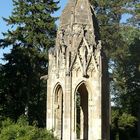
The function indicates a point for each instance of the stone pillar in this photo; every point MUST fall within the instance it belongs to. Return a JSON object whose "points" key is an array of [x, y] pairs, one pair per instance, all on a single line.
{"points": [[73, 114], [67, 110], [94, 106], [90, 121], [49, 114]]}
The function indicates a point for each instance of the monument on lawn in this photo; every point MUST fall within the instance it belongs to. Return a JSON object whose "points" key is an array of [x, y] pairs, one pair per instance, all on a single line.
{"points": [[77, 85]]}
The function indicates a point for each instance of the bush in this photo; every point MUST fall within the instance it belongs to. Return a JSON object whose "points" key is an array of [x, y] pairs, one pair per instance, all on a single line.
{"points": [[22, 131], [123, 125]]}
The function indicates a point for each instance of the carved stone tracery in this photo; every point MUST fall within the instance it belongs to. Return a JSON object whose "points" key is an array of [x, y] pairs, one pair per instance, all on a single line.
{"points": [[77, 41]]}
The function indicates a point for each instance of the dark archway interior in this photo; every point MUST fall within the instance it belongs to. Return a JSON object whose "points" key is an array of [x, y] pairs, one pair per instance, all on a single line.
{"points": [[82, 113], [59, 111]]}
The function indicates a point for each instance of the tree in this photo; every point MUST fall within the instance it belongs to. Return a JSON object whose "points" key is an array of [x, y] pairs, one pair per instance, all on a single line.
{"points": [[120, 41], [32, 33], [23, 131], [109, 14], [122, 124], [127, 76], [135, 13]]}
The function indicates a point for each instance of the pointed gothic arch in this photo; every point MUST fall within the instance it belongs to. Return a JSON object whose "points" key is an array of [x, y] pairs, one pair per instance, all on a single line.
{"points": [[58, 110], [81, 111]]}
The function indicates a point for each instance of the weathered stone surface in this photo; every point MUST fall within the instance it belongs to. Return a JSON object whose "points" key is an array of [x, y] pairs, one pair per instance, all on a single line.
{"points": [[77, 85]]}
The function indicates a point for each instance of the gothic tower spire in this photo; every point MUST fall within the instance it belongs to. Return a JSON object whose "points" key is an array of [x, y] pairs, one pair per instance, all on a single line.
{"points": [[77, 90], [81, 10]]}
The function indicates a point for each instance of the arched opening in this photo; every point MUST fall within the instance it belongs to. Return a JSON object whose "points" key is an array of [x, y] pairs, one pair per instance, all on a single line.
{"points": [[58, 118], [82, 112]]}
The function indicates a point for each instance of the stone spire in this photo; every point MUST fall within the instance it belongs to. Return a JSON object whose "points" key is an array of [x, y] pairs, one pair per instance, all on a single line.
{"points": [[80, 10], [65, 18], [78, 23]]}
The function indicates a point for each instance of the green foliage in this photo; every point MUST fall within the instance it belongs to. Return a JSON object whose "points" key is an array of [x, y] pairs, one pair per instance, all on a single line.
{"points": [[114, 119], [127, 74], [32, 32], [22, 131], [109, 14], [126, 121], [122, 125]]}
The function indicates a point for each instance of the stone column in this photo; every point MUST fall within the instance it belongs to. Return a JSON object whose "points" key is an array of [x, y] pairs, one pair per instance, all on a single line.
{"points": [[90, 121], [49, 113], [73, 114], [67, 110], [95, 110]]}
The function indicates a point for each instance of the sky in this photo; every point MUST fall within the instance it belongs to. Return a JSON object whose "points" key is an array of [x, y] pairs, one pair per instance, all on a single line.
{"points": [[5, 11]]}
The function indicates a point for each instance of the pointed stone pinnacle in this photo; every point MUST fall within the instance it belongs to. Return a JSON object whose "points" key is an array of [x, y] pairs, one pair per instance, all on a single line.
{"points": [[77, 10]]}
